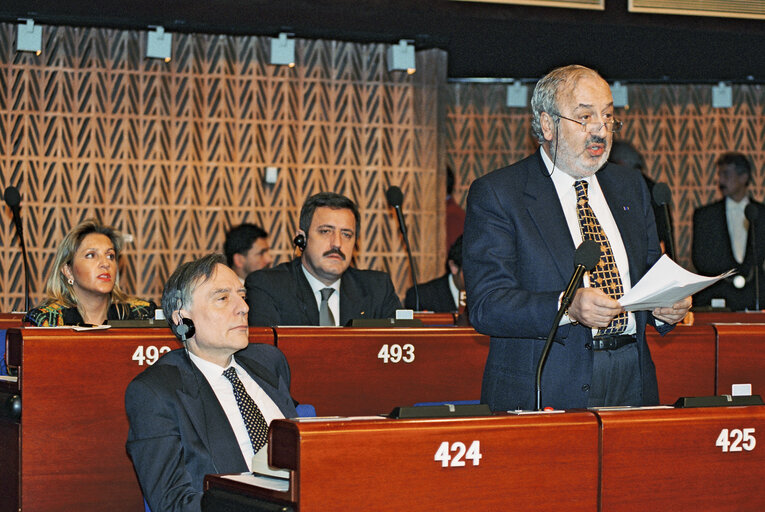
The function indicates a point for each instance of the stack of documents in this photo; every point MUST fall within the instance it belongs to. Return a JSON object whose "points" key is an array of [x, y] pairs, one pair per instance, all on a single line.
{"points": [[663, 285]]}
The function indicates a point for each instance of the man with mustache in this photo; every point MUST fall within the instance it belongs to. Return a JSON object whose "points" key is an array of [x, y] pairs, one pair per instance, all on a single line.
{"points": [[320, 287], [722, 237], [523, 225]]}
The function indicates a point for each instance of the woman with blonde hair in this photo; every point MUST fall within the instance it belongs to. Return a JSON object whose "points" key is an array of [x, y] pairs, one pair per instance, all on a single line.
{"points": [[83, 287]]}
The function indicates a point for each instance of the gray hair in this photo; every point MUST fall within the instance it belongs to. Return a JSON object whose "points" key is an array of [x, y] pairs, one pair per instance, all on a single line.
{"points": [[180, 286], [545, 96]]}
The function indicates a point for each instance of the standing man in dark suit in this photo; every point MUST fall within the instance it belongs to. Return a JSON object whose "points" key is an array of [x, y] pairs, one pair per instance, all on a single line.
{"points": [[442, 294], [204, 408], [722, 237], [320, 287], [523, 225]]}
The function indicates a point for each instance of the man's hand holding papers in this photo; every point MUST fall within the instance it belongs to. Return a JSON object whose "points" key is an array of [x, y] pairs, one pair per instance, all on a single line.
{"points": [[666, 290]]}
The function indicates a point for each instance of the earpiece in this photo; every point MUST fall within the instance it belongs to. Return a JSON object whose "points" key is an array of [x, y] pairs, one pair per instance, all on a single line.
{"points": [[300, 241], [186, 328]]}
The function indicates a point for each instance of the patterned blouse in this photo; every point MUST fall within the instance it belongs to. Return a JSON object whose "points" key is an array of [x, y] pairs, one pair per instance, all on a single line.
{"points": [[56, 314]]}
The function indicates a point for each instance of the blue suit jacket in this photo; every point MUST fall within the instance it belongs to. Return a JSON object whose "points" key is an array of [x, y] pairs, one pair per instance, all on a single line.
{"points": [[518, 257], [178, 430]]}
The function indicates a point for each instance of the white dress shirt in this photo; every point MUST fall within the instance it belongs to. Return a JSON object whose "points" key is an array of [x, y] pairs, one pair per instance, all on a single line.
{"points": [[738, 226], [224, 391], [564, 186], [334, 300]]}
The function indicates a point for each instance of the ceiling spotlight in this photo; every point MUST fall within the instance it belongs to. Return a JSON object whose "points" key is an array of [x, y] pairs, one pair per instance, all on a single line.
{"points": [[29, 37], [283, 50], [517, 95], [159, 44], [620, 95], [401, 57]]}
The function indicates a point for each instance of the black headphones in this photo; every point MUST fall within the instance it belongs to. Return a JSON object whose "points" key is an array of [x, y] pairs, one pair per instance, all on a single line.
{"points": [[186, 328], [300, 242]]}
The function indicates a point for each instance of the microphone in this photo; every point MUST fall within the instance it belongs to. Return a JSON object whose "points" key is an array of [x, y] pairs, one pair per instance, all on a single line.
{"points": [[395, 198], [752, 213], [586, 257], [663, 197], [13, 200]]}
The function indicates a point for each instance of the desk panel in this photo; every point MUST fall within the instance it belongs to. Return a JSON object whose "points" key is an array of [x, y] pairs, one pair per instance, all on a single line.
{"points": [[684, 360], [668, 460], [436, 319], [526, 463], [73, 426], [340, 370], [729, 317], [741, 357]]}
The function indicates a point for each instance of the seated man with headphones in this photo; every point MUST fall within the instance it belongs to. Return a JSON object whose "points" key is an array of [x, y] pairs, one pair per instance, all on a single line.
{"points": [[320, 287], [205, 408]]}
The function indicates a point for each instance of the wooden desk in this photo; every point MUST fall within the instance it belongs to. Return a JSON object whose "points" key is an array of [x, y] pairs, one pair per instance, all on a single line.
{"points": [[343, 370], [669, 460], [67, 452], [685, 361], [8, 320], [526, 463], [436, 319], [646, 459], [741, 357], [730, 317]]}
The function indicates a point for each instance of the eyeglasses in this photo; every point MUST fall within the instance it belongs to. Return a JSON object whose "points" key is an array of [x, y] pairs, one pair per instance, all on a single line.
{"points": [[592, 127]]}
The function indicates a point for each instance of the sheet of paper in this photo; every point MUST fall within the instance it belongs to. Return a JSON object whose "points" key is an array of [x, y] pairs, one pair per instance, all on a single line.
{"points": [[265, 482], [664, 284]]}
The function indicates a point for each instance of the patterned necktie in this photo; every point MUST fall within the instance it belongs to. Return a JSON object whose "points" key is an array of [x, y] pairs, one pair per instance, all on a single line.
{"points": [[606, 274], [257, 428], [325, 315]]}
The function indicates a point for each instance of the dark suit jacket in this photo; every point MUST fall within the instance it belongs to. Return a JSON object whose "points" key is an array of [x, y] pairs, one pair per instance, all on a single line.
{"points": [[435, 296], [712, 255], [282, 296], [178, 430], [517, 259]]}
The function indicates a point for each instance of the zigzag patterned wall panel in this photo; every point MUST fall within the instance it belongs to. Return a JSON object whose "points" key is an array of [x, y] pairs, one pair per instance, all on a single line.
{"points": [[675, 128], [174, 153]]}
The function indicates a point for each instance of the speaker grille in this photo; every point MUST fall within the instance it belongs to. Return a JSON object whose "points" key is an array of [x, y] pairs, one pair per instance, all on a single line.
{"points": [[752, 9]]}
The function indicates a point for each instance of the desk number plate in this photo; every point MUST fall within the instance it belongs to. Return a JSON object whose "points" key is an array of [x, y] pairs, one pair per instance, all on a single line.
{"points": [[736, 440], [395, 353], [455, 454], [148, 355]]}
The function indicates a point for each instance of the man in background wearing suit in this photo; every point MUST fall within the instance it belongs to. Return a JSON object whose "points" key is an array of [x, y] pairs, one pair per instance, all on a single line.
{"points": [[523, 225], [721, 237], [247, 250], [204, 408], [320, 287], [442, 294]]}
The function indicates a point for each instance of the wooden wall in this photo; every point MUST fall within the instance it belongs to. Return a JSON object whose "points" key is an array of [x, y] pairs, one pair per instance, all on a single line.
{"points": [[174, 153], [674, 127]]}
